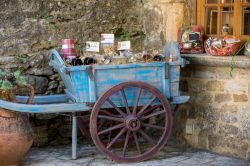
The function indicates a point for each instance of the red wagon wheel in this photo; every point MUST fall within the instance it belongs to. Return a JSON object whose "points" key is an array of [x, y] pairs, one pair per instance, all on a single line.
{"points": [[134, 109]]}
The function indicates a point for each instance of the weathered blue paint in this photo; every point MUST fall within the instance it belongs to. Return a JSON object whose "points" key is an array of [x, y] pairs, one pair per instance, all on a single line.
{"points": [[44, 99], [106, 76], [44, 108], [85, 84]]}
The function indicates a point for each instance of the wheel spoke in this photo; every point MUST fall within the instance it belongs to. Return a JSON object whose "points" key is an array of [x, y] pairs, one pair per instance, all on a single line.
{"points": [[110, 118], [110, 132], [111, 128], [153, 126], [148, 110], [126, 143], [137, 100], [154, 114], [116, 108], [145, 136], [136, 142], [125, 101], [108, 113], [116, 138], [146, 106], [99, 127]]}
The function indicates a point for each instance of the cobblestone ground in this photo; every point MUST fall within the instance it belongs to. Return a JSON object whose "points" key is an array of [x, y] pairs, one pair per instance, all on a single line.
{"points": [[172, 155]]}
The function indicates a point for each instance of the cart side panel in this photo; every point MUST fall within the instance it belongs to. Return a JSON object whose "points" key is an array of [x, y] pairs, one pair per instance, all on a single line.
{"points": [[81, 83], [57, 63], [104, 77], [153, 75], [174, 79]]}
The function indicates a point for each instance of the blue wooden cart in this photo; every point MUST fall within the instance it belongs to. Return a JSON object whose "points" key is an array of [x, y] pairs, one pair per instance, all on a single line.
{"points": [[130, 104]]}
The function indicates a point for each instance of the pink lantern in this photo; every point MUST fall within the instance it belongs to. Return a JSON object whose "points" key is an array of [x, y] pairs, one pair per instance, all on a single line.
{"points": [[68, 49]]}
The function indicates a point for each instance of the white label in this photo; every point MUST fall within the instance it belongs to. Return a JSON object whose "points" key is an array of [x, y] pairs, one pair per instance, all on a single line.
{"points": [[92, 46], [125, 45], [107, 38], [66, 46]]}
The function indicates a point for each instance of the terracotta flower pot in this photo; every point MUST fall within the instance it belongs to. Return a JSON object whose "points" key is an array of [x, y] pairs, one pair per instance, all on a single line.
{"points": [[16, 135]]}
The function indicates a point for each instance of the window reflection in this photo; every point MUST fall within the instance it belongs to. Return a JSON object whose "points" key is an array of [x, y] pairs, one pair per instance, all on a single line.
{"points": [[227, 20], [227, 1], [211, 1], [246, 21], [211, 17]]}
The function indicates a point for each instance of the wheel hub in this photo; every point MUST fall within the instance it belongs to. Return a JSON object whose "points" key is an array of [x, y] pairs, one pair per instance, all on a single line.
{"points": [[133, 123]]}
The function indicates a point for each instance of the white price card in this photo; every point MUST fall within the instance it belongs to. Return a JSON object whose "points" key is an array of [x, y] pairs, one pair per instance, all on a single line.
{"points": [[107, 38], [92, 46], [124, 45]]}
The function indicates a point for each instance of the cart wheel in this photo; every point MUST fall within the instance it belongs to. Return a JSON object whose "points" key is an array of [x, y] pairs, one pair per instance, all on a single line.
{"points": [[134, 109], [83, 124]]}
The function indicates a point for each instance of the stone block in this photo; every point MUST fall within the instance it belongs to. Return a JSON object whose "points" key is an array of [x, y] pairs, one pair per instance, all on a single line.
{"points": [[231, 108], [244, 119], [184, 85], [207, 112], [222, 97], [206, 124], [227, 129], [196, 85], [53, 85], [40, 131], [203, 139], [228, 145], [65, 131], [240, 98], [203, 97], [215, 85], [228, 118], [185, 72], [236, 86], [39, 83]]}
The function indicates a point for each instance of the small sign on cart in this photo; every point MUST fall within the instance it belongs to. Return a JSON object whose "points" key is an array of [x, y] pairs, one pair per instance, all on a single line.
{"points": [[107, 38], [92, 46], [124, 45]]}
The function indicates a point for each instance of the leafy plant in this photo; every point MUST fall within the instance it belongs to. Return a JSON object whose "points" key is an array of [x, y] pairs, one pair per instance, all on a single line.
{"points": [[232, 64], [8, 80], [20, 58], [125, 36]]}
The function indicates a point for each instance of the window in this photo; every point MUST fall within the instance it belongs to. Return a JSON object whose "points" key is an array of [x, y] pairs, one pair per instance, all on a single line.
{"points": [[224, 17]]}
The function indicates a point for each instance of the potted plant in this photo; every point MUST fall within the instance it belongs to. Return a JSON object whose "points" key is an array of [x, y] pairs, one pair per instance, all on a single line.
{"points": [[15, 130]]}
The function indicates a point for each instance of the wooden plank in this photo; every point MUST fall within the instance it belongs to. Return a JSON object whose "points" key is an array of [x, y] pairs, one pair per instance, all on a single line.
{"points": [[44, 99], [174, 73], [44, 108], [174, 89]]}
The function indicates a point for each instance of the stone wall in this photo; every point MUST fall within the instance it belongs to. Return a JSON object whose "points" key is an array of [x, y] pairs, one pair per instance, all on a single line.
{"points": [[29, 28], [217, 116]]}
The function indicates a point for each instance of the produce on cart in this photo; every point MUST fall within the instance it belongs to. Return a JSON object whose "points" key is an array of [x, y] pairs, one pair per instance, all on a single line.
{"points": [[130, 104]]}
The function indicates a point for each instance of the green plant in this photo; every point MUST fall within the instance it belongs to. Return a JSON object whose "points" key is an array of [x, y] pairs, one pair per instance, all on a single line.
{"points": [[125, 36], [20, 58], [232, 64], [8, 80]]}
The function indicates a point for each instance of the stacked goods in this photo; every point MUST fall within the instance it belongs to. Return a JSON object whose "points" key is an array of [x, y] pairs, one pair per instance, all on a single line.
{"points": [[106, 52]]}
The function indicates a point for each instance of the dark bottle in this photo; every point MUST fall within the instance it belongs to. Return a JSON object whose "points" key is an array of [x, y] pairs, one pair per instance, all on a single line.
{"points": [[158, 58], [76, 61], [89, 61]]}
